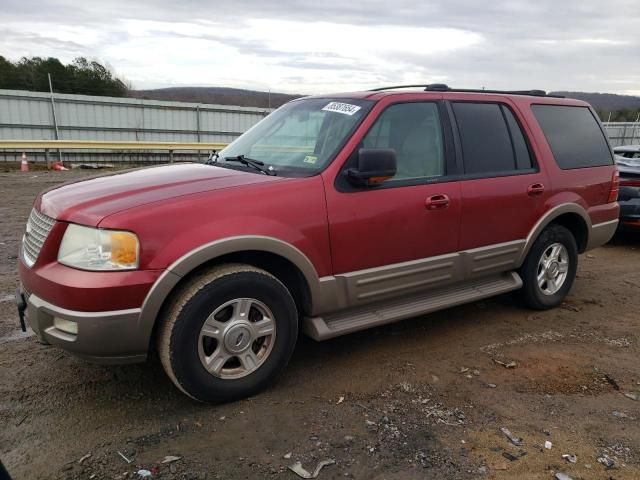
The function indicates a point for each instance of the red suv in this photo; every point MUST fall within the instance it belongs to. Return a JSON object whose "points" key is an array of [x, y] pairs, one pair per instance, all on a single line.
{"points": [[334, 214]]}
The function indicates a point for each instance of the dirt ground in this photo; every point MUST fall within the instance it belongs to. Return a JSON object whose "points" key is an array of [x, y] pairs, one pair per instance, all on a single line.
{"points": [[424, 398]]}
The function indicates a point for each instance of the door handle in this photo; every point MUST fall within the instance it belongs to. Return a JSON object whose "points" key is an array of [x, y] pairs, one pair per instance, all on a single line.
{"points": [[535, 189], [437, 201]]}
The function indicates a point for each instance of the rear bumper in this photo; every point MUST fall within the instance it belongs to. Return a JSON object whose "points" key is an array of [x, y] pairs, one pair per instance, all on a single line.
{"points": [[103, 337], [601, 233], [630, 213]]}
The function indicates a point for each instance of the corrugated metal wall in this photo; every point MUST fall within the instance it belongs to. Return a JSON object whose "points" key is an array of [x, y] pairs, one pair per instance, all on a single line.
{"points": [[623, 133], [29, 116]]}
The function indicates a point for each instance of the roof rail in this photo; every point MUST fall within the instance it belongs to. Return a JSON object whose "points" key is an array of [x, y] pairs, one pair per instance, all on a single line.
{"points": [[380, 89], [441, 87]]}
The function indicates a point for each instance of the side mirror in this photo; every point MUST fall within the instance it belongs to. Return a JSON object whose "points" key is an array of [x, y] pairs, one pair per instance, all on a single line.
{"points": [[375, 165]]}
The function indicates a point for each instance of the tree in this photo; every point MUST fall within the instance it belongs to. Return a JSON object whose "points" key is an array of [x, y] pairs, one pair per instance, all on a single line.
{"points": [[82, 76], [7, 73], [92, 78]]}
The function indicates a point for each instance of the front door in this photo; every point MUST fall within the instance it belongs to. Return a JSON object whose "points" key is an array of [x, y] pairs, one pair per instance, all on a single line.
{"points": [[384, 238]]}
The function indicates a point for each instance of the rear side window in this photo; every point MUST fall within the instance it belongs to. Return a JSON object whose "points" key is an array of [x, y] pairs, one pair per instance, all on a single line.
{"points": [[574, 136], [491, 139]]}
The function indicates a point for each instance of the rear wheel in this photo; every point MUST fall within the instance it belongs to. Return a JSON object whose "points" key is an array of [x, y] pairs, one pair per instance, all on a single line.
{"points": [[228, 333], [550, 268]]}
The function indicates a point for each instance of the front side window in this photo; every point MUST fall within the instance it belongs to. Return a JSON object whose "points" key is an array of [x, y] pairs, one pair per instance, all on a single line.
{"points": [[491, 139], [414, 131], [301, 137]]}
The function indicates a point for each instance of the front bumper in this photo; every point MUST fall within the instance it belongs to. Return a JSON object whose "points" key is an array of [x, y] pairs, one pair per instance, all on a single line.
{"points": [[103, 337]]}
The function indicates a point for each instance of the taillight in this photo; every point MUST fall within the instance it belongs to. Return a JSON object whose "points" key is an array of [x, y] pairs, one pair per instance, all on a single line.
{"points": [[615, 182], [630, 182]]}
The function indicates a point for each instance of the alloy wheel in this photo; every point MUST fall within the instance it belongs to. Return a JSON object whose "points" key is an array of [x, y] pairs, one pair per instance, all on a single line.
{"points": [[553, 268], [237, 338]]}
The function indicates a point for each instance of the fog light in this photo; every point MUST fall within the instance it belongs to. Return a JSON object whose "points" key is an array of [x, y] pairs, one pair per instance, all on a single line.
{"points": [[65, 325]]}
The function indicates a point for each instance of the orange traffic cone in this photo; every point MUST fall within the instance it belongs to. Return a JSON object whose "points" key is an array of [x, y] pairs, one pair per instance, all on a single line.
{"points": [[59, 166], [24, 165]]}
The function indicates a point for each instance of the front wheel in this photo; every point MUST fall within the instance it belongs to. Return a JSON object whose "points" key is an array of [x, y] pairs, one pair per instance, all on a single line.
{"points": [[550, 268], [228, 333]]}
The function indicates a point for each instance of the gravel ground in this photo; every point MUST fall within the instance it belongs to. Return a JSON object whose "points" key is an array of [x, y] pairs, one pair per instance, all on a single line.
{"points": [[424, 398]]}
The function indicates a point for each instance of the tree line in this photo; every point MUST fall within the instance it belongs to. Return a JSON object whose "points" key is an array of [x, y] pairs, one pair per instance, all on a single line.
{"points": [[622, 115], [82, 76]]}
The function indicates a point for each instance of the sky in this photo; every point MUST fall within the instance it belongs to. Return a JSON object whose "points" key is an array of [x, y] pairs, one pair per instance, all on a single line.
{"points": [[324, 46]]}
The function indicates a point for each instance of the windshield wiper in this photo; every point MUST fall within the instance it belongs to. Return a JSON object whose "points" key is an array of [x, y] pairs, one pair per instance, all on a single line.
{"points": [[250, 162]]}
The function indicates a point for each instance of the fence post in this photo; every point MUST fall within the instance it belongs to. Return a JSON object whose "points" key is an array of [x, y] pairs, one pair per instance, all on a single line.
{"points": [[53, 111], [198, 123], [198, 127], [635, 129]]}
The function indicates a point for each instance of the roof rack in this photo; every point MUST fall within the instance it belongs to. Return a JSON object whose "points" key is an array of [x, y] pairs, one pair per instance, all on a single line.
{"points": [[441, 87]]}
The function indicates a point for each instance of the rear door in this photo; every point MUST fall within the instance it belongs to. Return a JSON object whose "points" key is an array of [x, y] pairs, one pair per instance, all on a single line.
{"points": [[503, 190]]}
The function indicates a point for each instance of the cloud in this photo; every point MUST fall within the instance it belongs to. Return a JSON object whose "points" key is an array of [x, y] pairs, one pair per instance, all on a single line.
{"points": [[309, 46]]}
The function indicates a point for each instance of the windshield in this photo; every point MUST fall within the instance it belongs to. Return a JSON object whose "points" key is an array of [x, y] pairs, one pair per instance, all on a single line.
{"points": [[300, 138]]}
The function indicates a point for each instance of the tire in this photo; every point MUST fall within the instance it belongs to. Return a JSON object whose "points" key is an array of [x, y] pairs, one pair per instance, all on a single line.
{"points": [[551, 290], [193, 343]]}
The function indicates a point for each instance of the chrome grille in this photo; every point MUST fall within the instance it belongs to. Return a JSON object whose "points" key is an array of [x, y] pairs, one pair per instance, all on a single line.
{"points": [[38, 227]]}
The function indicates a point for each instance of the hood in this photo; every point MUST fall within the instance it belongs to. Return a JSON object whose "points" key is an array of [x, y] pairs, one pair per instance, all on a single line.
{"points": [[89, 201]]}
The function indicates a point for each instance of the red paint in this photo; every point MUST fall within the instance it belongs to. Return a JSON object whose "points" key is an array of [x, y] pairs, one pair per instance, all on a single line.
{"points": [[175, 209]]}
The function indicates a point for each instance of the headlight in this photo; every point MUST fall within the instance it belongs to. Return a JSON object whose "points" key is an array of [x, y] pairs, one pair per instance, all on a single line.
{"points": [[96, 249]]}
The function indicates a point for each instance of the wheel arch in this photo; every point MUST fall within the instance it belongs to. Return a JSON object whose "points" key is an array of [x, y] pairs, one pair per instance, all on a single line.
{"points": [[281, 259], [577, 226], [571, 216]]}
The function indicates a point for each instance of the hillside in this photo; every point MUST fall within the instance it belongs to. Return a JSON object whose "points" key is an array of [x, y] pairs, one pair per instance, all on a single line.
{"points": [[607, 102], [216, 95], [603, 102]]}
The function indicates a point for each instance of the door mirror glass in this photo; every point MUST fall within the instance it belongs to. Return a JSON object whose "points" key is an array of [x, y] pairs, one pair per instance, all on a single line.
{"points": [[374, 166]]}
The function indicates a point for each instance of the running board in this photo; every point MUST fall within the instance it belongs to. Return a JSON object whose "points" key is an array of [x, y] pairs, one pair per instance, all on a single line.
{"points": [[373, 315]]}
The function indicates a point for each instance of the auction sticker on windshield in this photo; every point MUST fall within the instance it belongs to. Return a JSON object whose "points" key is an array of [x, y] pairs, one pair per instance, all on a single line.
{"points": [[339, 107]]}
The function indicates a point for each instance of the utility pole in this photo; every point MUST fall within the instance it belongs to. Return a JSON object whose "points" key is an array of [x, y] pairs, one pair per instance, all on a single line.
{"points": [[55, 120]]}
